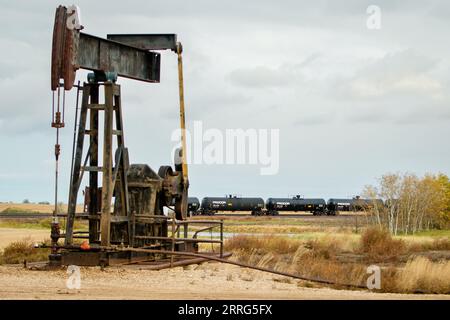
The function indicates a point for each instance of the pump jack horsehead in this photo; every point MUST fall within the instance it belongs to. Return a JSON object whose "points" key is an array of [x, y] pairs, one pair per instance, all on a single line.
{"points": [[126, 209]]}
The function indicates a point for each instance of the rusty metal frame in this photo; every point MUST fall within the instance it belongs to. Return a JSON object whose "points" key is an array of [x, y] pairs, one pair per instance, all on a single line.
{"points": [[127, 56], [164, 41], [113, 179], [98, 54], [103, 252], [73, 50]]}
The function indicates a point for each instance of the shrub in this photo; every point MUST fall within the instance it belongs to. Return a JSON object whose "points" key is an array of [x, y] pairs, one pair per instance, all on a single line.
{"points": [[378, 245], [18, 251], [324, 248]]}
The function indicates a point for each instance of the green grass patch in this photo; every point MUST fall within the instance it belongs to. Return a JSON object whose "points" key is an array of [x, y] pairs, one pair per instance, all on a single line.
{"points": [[21, 224], [432, 233], [37, 224], [14, 210]]}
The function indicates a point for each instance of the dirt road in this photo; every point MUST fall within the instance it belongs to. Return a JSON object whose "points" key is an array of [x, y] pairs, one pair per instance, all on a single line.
{"points": [[206, 281]]}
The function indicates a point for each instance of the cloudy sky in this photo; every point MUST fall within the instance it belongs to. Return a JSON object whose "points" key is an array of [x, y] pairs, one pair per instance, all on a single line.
{"points": [[351, 103]]}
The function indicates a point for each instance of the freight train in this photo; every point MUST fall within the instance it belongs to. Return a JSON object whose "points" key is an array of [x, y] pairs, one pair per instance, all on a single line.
{"points": [[211, 205], [315, 206], [273, 206]]}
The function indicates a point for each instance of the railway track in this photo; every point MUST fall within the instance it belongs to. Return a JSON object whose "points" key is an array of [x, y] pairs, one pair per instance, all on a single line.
{"points": [[25, 215], [287, 215]]}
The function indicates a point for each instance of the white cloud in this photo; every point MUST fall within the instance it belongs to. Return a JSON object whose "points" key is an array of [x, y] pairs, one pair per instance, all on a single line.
{"points": [[311, 69], [404, 72]]}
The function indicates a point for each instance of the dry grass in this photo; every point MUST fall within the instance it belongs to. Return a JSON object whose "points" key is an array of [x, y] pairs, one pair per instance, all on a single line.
{"points": [[318, 258], [430, 245], [326, 247], [379, 246], [332, 270], [311, 259], [263, 245], [421, 275], [19, 251]]}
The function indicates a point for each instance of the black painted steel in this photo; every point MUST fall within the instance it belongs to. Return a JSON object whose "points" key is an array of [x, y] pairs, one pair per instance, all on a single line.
{"points": [[193, 205], [314, 205], [211, 205], [355, 204]]}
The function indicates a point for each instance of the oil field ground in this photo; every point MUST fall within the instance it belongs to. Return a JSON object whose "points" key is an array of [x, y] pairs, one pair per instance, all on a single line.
{"points": [[207, 281], [332, 248]]}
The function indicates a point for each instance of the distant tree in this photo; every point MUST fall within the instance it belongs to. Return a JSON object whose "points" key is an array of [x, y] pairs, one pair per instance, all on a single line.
{"points": [[412, 204], [26, 201], [444, 215]]}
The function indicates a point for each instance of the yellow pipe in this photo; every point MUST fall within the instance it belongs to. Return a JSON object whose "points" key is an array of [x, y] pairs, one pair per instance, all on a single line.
{"points": [[182, 118]]}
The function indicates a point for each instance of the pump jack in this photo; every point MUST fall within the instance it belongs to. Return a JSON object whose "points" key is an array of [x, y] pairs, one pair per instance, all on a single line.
{"points": [[126, 210]]}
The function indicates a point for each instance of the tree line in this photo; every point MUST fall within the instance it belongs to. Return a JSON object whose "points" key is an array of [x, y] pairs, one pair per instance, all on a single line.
{"points": [[412, 203]]}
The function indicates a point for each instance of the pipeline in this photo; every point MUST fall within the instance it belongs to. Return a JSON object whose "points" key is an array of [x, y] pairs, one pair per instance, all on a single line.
{"points": [[213, 258], [241, 264]]}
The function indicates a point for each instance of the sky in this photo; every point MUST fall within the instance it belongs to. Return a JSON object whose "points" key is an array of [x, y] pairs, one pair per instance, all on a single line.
{"points": [[350, 103]]}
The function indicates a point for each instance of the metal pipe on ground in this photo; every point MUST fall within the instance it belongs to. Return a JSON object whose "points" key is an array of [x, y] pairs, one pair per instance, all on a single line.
{"points": [[222, 260], [240, 264], [180, 263]]}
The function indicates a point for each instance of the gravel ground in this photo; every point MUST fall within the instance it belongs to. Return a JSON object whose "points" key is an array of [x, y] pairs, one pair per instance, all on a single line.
{"points": [[205, 281]]}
